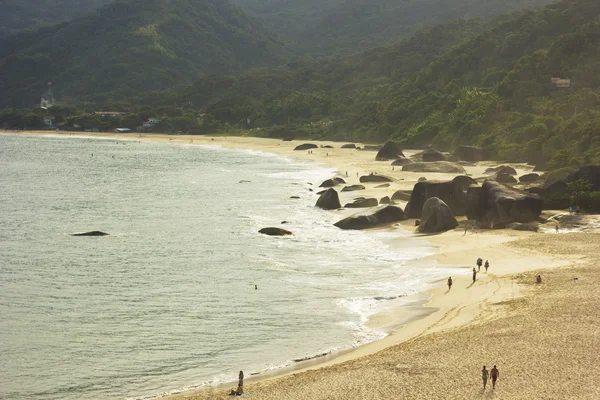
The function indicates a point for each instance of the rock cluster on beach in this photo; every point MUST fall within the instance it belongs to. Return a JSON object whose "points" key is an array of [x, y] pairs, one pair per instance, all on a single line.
{"points": [[436, 217], [370, 219]]}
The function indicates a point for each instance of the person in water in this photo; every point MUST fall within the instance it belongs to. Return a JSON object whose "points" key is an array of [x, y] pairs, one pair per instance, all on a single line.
{"points": [[474, 274], [494, 374], [486, 265], [449, 283], [484, 376]]}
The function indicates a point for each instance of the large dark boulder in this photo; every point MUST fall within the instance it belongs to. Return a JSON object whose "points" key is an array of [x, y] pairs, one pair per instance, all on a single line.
{"points": [[287, 139], [389, 151], [473, 203], [528, 178], [590, 173], [471, 153], [499, 205], [330, 200], [375, 178], [90, 233], [430, 155], [536, 190], [352, 188], [332, 182], [348, 146], [402, 161], [556, 187], [503, 178], [275, 231], [363, 203], [501, 169], [385, 200], [306, 146], [436, 217], [453, 193], [438, 166], [381, 216]]}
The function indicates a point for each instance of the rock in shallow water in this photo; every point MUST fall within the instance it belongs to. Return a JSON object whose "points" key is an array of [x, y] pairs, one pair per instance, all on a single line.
{"points": [[271, 231], [370, 219], [330, 200], [90, 233]]}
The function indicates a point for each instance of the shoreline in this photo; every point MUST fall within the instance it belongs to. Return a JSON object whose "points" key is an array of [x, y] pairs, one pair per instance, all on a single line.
{"points": [[442, 310]]}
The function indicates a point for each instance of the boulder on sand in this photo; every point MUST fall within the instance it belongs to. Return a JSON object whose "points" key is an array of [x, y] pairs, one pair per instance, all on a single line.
{"points": [[385, 200], [382, 186], [436, 217], [501, 169], [306, 146], [348, 146], [381, 216], [287, 139], [453, 193], [363, 203], [90, 233], [401, 161], [590, 173], [330, 200], [497, 205], [403, 195], [352, 188], [275, 231], [430, 155], [375, 178], [438, 166], [332, 182], [528, 178], [503, 178], [389, 151], [470, 153]]}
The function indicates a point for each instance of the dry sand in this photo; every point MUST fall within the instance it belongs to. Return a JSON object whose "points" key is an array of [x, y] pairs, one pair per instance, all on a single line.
{"points": [[544, 338]]}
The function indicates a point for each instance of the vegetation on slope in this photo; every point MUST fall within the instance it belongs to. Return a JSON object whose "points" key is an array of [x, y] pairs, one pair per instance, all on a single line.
{"points": [[20, 15], [132, 46]]}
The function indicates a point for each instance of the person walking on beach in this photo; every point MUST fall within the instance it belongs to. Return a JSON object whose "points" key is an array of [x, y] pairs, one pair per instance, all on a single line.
{"points": [[449, 283], [474, 274], [479, 263], [484, 376], [486, 265], [494, 374]]}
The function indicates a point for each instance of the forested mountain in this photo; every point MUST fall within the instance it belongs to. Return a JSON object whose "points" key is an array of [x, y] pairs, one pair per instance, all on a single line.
{"points": [[494, 89], [19, 15], [369, 23], [132, 46], [340, 27]]}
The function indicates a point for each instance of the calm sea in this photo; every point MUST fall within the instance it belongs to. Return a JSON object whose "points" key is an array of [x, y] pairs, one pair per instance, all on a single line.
{"points": [[168, 300]]}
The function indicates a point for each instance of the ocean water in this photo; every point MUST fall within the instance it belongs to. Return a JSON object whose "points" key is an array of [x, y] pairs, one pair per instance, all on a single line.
{"points": [[167, 301]]}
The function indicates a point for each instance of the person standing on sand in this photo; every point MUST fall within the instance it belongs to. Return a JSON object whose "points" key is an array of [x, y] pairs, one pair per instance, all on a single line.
{"points": [[449, 283], [479, 262], [484, 376], [486, 265], [495, 374], [474, 275]]}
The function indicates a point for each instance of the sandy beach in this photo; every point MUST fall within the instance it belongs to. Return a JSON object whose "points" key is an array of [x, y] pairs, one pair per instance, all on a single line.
{"points": [[544, 337]]}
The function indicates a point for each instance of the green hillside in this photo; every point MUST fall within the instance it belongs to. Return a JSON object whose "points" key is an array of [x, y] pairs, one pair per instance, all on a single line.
{"points": [[493, 89], [339, 27], [19, 15], [132, 46]]}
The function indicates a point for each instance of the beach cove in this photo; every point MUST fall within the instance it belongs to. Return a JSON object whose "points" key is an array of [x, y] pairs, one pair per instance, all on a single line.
{"points": [[504, 318]]}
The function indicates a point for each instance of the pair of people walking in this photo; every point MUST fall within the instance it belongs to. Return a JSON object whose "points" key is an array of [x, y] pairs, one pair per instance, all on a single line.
{"points": [[480, 263], [494, 374]]}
